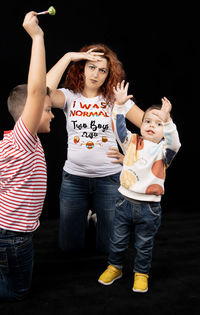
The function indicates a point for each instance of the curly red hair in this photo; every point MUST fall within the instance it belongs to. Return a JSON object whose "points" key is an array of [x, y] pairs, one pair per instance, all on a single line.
{"points": [[75, 80]]}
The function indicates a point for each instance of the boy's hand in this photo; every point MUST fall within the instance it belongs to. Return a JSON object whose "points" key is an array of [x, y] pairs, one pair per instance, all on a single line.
{"points": [[30, 24], [164, 112], [120, 92]]}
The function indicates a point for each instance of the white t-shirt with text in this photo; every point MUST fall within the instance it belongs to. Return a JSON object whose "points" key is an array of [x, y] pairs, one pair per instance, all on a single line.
{"points": [[90, 135]]}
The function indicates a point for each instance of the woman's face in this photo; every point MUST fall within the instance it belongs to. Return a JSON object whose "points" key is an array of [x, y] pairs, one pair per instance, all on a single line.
{"points": [[95, 73]]}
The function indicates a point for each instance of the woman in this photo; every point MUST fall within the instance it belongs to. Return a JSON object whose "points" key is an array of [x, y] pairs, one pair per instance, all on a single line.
{"points": [[91, 171]]}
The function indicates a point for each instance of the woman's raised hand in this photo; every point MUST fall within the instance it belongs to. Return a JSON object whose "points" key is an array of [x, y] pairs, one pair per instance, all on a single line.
{"points": [[89, 55]]}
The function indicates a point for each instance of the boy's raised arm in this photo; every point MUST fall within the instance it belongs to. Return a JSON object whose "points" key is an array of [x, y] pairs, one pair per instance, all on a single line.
{"points": [[36, 87]]}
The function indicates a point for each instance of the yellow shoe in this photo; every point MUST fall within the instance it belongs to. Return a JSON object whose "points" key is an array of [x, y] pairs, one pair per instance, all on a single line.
{"points": [[140, 282], [110, 275]]}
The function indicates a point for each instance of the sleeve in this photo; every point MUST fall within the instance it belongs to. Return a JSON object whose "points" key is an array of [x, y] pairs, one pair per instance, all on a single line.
{"points": [[122, 134], [68, 95], [22, 137], [127, 106], [172, 142]]}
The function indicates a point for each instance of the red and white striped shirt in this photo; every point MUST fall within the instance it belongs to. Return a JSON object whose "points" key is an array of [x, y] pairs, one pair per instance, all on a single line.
{"points": [[23, 179]]}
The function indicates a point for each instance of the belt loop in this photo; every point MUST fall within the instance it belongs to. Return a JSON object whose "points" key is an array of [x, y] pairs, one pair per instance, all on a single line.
{"points": [[3, 231]]}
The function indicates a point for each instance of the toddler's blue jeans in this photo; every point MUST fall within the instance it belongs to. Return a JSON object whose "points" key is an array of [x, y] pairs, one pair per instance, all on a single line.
{"points": [[145, 218]]}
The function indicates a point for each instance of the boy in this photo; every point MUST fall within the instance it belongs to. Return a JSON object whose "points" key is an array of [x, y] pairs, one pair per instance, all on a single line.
{"points": [[23, 171], [142, 184]]}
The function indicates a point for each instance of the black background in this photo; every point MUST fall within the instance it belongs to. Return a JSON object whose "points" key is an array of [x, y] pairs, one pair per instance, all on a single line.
{"points": [[153, 39]]}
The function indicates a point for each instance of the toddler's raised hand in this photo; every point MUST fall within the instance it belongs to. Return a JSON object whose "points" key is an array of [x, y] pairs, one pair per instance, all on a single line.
{"points": [[164, 112], [120, 92]]}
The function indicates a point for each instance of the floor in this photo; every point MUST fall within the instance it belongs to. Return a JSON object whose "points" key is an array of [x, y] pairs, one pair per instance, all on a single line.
{"points": [[67, 284]]}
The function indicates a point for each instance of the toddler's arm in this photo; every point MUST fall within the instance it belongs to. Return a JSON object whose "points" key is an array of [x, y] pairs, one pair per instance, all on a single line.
{"points": [[170, 131]]}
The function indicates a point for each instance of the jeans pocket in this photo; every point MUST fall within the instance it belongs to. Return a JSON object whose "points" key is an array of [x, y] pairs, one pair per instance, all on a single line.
{"points": [[3, 261], [24, 252], [114, 179], [66, 175], [120, 201], [155, 209]]}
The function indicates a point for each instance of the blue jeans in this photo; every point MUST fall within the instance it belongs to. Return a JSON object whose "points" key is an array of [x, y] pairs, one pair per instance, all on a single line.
{"points": [[77, 196], [145, 217], [16, 265]]}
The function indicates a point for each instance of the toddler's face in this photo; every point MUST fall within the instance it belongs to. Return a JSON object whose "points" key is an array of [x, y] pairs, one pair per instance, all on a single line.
{"points": [[152, 127]]}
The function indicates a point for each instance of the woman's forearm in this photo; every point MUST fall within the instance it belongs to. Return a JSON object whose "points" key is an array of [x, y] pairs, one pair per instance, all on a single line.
{"points": [[54, 75], [135, 116]]}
